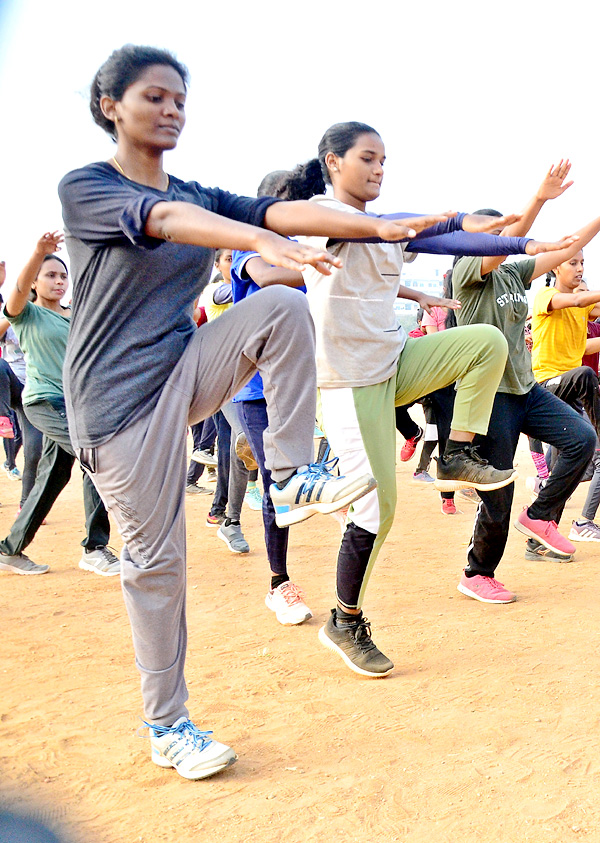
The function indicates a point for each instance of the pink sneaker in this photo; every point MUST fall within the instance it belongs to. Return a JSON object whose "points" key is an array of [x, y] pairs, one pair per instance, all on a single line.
{"points": [[545, 532], [410, 446], [448, 507], [485, 589]]}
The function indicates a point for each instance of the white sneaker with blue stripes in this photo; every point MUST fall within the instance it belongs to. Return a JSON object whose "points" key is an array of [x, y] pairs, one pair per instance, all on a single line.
{"points": [[190, 751], [315, 489]]}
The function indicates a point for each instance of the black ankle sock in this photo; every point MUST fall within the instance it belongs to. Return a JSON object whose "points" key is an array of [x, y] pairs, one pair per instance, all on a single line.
{"points": [[283, 483], [278, 580], [342, 617], [452, 446], [229, 521]]}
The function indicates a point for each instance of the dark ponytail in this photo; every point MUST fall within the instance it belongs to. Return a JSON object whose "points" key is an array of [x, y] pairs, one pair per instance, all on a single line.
{"points": [[448, 293], [550, 278], [311, 179], [304, 181]]}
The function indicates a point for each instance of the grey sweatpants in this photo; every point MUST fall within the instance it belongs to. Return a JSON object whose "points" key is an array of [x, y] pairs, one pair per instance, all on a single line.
{"points": [[140, 472], [238, 473]]}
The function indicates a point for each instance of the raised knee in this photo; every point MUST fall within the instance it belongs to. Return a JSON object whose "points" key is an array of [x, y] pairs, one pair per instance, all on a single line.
{"points": [[287, 298], [589, 378], [491, 337]]}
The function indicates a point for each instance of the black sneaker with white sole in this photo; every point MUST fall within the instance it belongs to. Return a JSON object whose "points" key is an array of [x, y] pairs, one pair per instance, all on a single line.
{"points": [[465, 469], [536, 550], [354, 644]]}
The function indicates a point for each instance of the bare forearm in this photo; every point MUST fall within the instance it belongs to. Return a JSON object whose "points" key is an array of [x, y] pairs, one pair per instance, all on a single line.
{"points": [[550, 260], [19, 295], [408, 293], [182, 222], [529, 215], [560, 301], [592, 345], [310, 218], [264, 275]]}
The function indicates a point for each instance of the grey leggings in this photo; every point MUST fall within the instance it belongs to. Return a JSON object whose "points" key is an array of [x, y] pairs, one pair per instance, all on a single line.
{"points": [[238, 473]]}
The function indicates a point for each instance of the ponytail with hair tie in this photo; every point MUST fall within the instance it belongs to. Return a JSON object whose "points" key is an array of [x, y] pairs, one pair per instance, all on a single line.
{"points": [[303, 181]]}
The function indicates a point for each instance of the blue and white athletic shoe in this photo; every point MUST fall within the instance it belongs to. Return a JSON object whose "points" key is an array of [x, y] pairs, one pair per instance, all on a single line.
{"points": [[315, 489], [191, 752]]}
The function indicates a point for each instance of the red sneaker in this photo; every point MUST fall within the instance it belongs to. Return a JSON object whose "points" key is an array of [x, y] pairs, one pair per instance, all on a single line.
{"points": [[545, 532], [448, 506], [410, 446], [485, 589], [6, 429]]}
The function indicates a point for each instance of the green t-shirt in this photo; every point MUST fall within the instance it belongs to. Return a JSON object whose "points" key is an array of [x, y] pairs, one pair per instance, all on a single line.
{"points": [[499, 299], [42, 335]]}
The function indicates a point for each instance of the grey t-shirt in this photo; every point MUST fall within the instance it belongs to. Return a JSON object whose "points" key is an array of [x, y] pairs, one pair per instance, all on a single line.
{"points": [[358, 337], [132, 294], [499, 299]]}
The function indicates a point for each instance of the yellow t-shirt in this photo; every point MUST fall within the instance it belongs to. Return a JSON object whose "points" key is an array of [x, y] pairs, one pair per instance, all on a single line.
{"points": [[558, 336], [207, 302]]}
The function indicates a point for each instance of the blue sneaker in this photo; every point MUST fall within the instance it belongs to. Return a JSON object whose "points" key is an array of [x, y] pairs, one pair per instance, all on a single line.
{"points": [[315, 489], [253, 498], [13, 473], [191, 752]]}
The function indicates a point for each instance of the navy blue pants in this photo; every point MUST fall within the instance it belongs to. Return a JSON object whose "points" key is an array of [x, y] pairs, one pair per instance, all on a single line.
{"points": [[541, 415], [253, 416], [203, 436]]}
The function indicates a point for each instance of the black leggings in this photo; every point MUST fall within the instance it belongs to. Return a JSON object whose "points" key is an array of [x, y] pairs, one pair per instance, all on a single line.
{"points": [[10, 398]]}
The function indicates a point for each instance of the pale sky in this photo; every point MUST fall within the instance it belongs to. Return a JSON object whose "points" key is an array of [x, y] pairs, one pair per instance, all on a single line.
{"points": [[473, 100]]}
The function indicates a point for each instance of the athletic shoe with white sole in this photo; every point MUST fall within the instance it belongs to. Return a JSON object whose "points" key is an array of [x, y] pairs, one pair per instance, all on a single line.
{"points": [[535, 485], [314, 489], [469, 495], [421, 478], [535, 550], [287, 603], [586, 532], [354, 644], [253, 498], [448, 507], [21, 564], [466, 469], [410, 446], [190, 751], [545, 532], [485, 589], [13, 473], [101, 561], [195, 489], [231, 533], [205, 457]]}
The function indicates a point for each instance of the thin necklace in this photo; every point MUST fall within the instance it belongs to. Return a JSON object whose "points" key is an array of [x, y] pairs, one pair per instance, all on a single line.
{"points": [[122, 171]]}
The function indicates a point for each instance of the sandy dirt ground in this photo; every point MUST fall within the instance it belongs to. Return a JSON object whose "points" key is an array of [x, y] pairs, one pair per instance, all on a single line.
{"points": [[487, 730]]}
